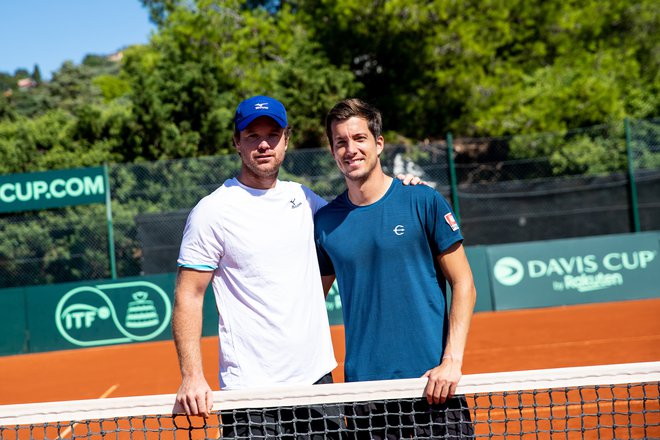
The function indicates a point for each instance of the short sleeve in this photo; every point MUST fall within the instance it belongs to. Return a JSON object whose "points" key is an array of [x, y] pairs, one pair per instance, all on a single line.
{"points": [[315, 201], [325, 263], [442, 226], [202, 245]]}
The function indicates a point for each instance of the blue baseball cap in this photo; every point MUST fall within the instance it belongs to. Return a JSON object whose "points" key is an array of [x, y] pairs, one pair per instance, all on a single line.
{"points": [[252, 108]]}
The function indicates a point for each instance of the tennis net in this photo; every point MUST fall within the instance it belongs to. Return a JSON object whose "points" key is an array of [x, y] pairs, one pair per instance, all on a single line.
{"points": [[612, 401]]}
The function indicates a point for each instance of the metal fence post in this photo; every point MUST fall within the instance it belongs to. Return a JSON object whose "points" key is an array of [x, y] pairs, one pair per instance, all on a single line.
{"points": [[634, 207], [452, 176], [108, 214]]}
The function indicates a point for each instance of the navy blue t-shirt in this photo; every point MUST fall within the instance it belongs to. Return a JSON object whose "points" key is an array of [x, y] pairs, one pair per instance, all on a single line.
{"points": [[392, 289]]}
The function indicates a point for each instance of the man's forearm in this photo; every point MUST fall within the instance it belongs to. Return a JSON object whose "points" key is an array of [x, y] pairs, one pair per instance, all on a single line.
{"points": [[460, 315], [187, 332]]}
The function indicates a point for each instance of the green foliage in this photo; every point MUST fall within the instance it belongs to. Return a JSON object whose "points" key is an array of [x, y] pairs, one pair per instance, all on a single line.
{"points": [[56, 140], [36, 74], [72, 87], [54, 246], [584, 155], [512, 69], [477, 69], [22, 141], [592, 151], [7, 82], [645, 144], [495, 68], [310, 86], [206, 58], [7, 110], [111, 87], [159, 9]]}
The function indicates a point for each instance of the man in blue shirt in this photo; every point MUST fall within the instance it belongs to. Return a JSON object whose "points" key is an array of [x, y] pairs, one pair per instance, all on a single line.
{"points": [[393, 249]]}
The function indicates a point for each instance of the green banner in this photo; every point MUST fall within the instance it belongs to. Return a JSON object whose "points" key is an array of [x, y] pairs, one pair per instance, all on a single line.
{"points": [[105, 312], [577, 271], [478, 260], [12, 322], [101, 312], [52, 189]]}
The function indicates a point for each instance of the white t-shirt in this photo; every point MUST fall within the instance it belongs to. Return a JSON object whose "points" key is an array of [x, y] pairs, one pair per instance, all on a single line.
{"points": [[273, 324]]}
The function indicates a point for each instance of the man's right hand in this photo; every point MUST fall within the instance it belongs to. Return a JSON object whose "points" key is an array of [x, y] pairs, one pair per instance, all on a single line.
{"points": [[195, 397]]}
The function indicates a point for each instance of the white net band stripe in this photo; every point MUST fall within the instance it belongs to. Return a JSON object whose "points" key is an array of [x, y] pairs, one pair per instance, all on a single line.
{"points": [[95, 409]]}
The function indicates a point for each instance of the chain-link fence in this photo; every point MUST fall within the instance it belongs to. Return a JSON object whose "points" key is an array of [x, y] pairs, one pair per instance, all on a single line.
{"points": [[644, 141], [548, 186], [513, 189]]}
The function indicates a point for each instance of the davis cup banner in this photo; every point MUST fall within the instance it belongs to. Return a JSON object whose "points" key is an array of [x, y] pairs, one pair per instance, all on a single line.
{"points": [[97, 313], [565, 272], [52, 189]]}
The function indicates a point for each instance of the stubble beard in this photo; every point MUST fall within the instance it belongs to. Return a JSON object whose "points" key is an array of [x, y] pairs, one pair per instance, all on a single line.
{"points": [[261, 171]]}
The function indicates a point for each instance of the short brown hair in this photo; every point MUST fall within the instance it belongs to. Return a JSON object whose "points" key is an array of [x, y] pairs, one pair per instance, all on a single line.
{"points": [[349, 108]]}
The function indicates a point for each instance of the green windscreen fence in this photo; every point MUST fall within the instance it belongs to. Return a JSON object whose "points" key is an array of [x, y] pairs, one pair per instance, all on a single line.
{"points": [[577, 271], [138, 309], [92, 314]]}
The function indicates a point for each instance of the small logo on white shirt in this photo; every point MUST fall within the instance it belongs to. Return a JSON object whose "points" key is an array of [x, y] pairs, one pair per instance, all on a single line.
{"points": [[399, 230], [294, 205], [261, 106]]}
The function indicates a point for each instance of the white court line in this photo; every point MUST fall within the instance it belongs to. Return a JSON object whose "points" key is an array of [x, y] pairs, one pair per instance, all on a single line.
{"points": [[107, 392]]}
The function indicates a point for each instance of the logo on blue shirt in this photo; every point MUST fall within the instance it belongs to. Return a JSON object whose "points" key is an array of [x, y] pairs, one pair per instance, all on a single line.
{"points": [[399, 230]]}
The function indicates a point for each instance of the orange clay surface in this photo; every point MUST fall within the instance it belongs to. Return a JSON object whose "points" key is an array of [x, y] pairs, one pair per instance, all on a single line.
{"points": [[594, 334]]}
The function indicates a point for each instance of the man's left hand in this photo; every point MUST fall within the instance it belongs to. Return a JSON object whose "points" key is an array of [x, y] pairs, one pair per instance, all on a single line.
{"points": [[443, 380], [410, 179]]}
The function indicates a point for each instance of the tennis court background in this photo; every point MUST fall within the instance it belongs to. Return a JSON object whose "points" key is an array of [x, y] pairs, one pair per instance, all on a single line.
{"points": [[68, 244], [579, 335]]}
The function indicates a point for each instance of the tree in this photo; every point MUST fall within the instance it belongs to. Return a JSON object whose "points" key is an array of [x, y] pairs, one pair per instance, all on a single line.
{"points": [[36, 74], [494, 68], [160, 9], [21, 73], [208, 56]]}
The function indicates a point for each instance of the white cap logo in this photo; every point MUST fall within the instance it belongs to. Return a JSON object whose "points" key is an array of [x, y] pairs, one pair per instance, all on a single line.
{"points": [[508, 271]]}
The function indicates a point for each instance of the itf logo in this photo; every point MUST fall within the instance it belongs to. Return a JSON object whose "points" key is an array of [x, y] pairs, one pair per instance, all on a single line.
{"points": [[508, 271], [113, 313]]}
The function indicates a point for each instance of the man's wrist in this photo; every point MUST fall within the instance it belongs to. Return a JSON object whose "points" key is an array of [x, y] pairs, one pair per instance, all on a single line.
{"points": [[453, 357]]}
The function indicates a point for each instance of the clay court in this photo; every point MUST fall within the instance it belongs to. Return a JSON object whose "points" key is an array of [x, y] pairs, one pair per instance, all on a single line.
{"points": [[594, 334]]}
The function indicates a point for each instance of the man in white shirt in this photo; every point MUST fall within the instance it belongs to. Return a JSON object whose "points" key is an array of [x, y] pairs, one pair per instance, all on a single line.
{"points": [[253, 239]]}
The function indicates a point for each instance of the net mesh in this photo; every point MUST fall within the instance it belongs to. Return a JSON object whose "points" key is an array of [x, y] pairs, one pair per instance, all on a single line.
{"points": [[604, 402]]}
